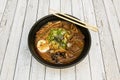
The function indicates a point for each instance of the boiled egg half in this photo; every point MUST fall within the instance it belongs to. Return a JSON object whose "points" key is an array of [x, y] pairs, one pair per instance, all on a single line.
{"points": [[43, 46]]}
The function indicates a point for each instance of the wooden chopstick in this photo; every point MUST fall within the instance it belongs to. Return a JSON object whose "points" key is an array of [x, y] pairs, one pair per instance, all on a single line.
{"points": [[74, 20]]}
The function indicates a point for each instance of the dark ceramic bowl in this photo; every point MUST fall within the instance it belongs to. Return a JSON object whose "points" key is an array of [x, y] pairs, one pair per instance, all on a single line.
{"points": [[38, 25]]}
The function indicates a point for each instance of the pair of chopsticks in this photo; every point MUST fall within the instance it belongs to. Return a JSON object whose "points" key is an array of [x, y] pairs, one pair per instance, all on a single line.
{"points": [[73, 20]]}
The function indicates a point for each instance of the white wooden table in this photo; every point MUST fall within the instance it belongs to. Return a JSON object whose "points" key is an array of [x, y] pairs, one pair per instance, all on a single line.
{"points": [[18, 16]]}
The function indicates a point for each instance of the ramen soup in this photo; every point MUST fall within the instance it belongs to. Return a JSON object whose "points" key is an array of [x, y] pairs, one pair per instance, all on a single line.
{"points": [[59, 42]]}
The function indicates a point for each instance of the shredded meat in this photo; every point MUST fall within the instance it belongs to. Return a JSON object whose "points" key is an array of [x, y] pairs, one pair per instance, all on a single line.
{"points": [[70, 53]]}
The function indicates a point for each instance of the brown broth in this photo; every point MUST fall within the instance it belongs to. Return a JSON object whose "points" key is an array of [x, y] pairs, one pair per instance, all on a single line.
{"points": [[67, 55]]}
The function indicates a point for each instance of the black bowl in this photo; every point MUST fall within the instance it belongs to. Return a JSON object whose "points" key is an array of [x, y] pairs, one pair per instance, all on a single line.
{"points": [[38, 25]]}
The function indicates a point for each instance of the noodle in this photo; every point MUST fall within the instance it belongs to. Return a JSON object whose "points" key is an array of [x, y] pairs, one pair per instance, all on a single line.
{"points": [[65, 42]]}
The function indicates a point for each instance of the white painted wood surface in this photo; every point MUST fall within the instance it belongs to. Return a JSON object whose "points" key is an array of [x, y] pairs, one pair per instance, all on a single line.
{"points": [[23, 63], [114, 27], [106, 39], [18, 16], [116, 4], [3, 4], [9, 63], [5, 28]]}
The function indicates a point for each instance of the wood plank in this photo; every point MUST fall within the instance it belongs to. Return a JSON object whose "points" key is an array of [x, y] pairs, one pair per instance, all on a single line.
{"points": [[55, 4], [95, 54], [24, 56], [83, 68], [114, 27], [38, 71], [5, 27], [7, 72], [111, 67], [51, 73], [69, 73], [3, 4], [116, 4], [66, 6]]}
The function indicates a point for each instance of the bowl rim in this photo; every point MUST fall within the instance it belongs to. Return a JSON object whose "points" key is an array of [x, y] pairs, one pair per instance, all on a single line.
{"points": [[59, 66]]}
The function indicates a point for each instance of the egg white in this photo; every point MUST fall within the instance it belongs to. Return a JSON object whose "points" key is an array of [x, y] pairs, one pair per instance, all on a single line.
{"points": [[43, 48]]}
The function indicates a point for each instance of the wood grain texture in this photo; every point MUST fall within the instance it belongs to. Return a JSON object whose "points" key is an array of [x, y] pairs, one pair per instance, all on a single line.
{"points": [[116, 4], [24, 56], [108, 51], [51, 73], [5, 28], [114, 27], [3, 4], [7, 72], [83, 68], [38, 71], [95, 54]]}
